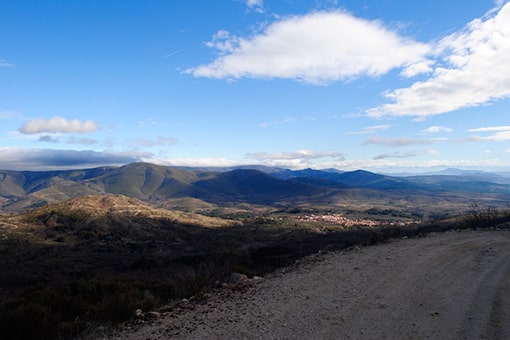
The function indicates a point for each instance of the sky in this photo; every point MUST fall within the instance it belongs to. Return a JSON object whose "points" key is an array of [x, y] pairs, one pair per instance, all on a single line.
{"points": [[384, 86]]}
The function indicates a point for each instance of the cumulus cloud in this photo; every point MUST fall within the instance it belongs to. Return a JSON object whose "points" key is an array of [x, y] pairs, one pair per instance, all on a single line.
{"points": [[295, 159], [471, 69], [49, 159], [316, 48], [57, 125], [396, 142]]}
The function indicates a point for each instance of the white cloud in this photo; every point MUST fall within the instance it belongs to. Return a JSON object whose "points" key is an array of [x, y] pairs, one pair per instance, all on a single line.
{"points": [[422, 66], [472, 69], [147, 123], [491, 128], [7, 115], [502, 134], [288, 120], [195, 162], [396, 142], [295, 159], [402, 164], [370, 129], [57, 125], [254, 3], [436, 129], [316, 48], [257, 5], [49, 159], [161, 140]]}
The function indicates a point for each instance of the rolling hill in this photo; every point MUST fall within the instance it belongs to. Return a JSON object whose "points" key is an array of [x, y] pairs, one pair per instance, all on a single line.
{"points": [[264, 186]]}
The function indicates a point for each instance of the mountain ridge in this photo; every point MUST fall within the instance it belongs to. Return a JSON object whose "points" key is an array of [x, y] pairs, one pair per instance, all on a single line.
{"points": [[268, 186]]}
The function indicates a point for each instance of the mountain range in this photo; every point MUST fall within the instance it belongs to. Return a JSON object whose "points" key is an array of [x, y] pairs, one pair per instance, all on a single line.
{"points": [[194, 188]]}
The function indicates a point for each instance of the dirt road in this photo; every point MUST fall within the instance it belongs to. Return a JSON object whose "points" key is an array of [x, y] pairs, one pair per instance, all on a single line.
{"points": [[453, 285]]}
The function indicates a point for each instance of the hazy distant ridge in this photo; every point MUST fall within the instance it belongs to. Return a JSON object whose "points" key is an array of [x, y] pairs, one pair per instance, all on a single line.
{"points": [[253, 185]]}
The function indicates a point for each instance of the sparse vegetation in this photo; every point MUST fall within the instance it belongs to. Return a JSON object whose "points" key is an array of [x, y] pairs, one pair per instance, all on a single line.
{"points": [[98, 259]]}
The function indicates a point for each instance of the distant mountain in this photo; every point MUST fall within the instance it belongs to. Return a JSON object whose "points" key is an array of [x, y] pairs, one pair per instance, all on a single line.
{"points": [[165, 186]]}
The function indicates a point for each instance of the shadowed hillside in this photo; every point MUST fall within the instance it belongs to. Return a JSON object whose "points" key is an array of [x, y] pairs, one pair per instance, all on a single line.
{"points": [[248, 189], [98, 258]]}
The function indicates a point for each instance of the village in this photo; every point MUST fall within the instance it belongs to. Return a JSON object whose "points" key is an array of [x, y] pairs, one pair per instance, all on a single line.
{"points": [[338, 219]]}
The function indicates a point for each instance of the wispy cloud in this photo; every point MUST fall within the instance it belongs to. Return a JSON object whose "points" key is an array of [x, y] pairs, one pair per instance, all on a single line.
{"points": [[7, 115], [58, 125], [4, 63], [370, 129], [197, 162], [437, 129], [502, 133], [169, 54], [287, 120], [294, 159], [257, 5], [48, 139], [81, 141], [161, 140], [316, 48], [396, 142], [396, 155], [147, 123], [471, 69], [490, 129]]}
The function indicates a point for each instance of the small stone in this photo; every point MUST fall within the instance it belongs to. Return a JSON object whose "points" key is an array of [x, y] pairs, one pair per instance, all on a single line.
{"points": [[153, 315], [237, 278], [138, 313], [184, 303]]}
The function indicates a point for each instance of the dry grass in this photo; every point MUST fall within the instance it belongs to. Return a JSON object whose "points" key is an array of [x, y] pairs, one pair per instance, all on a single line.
{"points": [[98, 258]]}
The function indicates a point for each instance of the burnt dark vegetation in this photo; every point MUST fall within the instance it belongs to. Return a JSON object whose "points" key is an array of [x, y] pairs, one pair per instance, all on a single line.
{"points": [[66, 268]]}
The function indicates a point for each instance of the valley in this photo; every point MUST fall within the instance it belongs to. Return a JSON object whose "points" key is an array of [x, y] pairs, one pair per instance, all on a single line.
{"points": [[84, 248]]}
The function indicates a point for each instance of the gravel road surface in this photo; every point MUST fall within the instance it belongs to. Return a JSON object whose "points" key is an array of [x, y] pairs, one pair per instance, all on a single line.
{"points": [[453, 285]]}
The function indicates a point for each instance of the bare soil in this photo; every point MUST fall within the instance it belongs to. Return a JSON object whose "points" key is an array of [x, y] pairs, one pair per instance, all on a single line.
{"points": [[452, 285]]}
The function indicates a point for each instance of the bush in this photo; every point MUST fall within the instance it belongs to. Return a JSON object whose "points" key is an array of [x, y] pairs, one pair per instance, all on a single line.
{"points": [[53, 312], [22, 319]]}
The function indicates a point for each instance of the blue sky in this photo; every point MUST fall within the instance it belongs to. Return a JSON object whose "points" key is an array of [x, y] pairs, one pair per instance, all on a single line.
{"points": [[384, 86]]}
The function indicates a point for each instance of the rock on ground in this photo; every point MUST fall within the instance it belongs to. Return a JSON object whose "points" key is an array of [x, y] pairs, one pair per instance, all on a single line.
{"points": [[453, 285]]}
